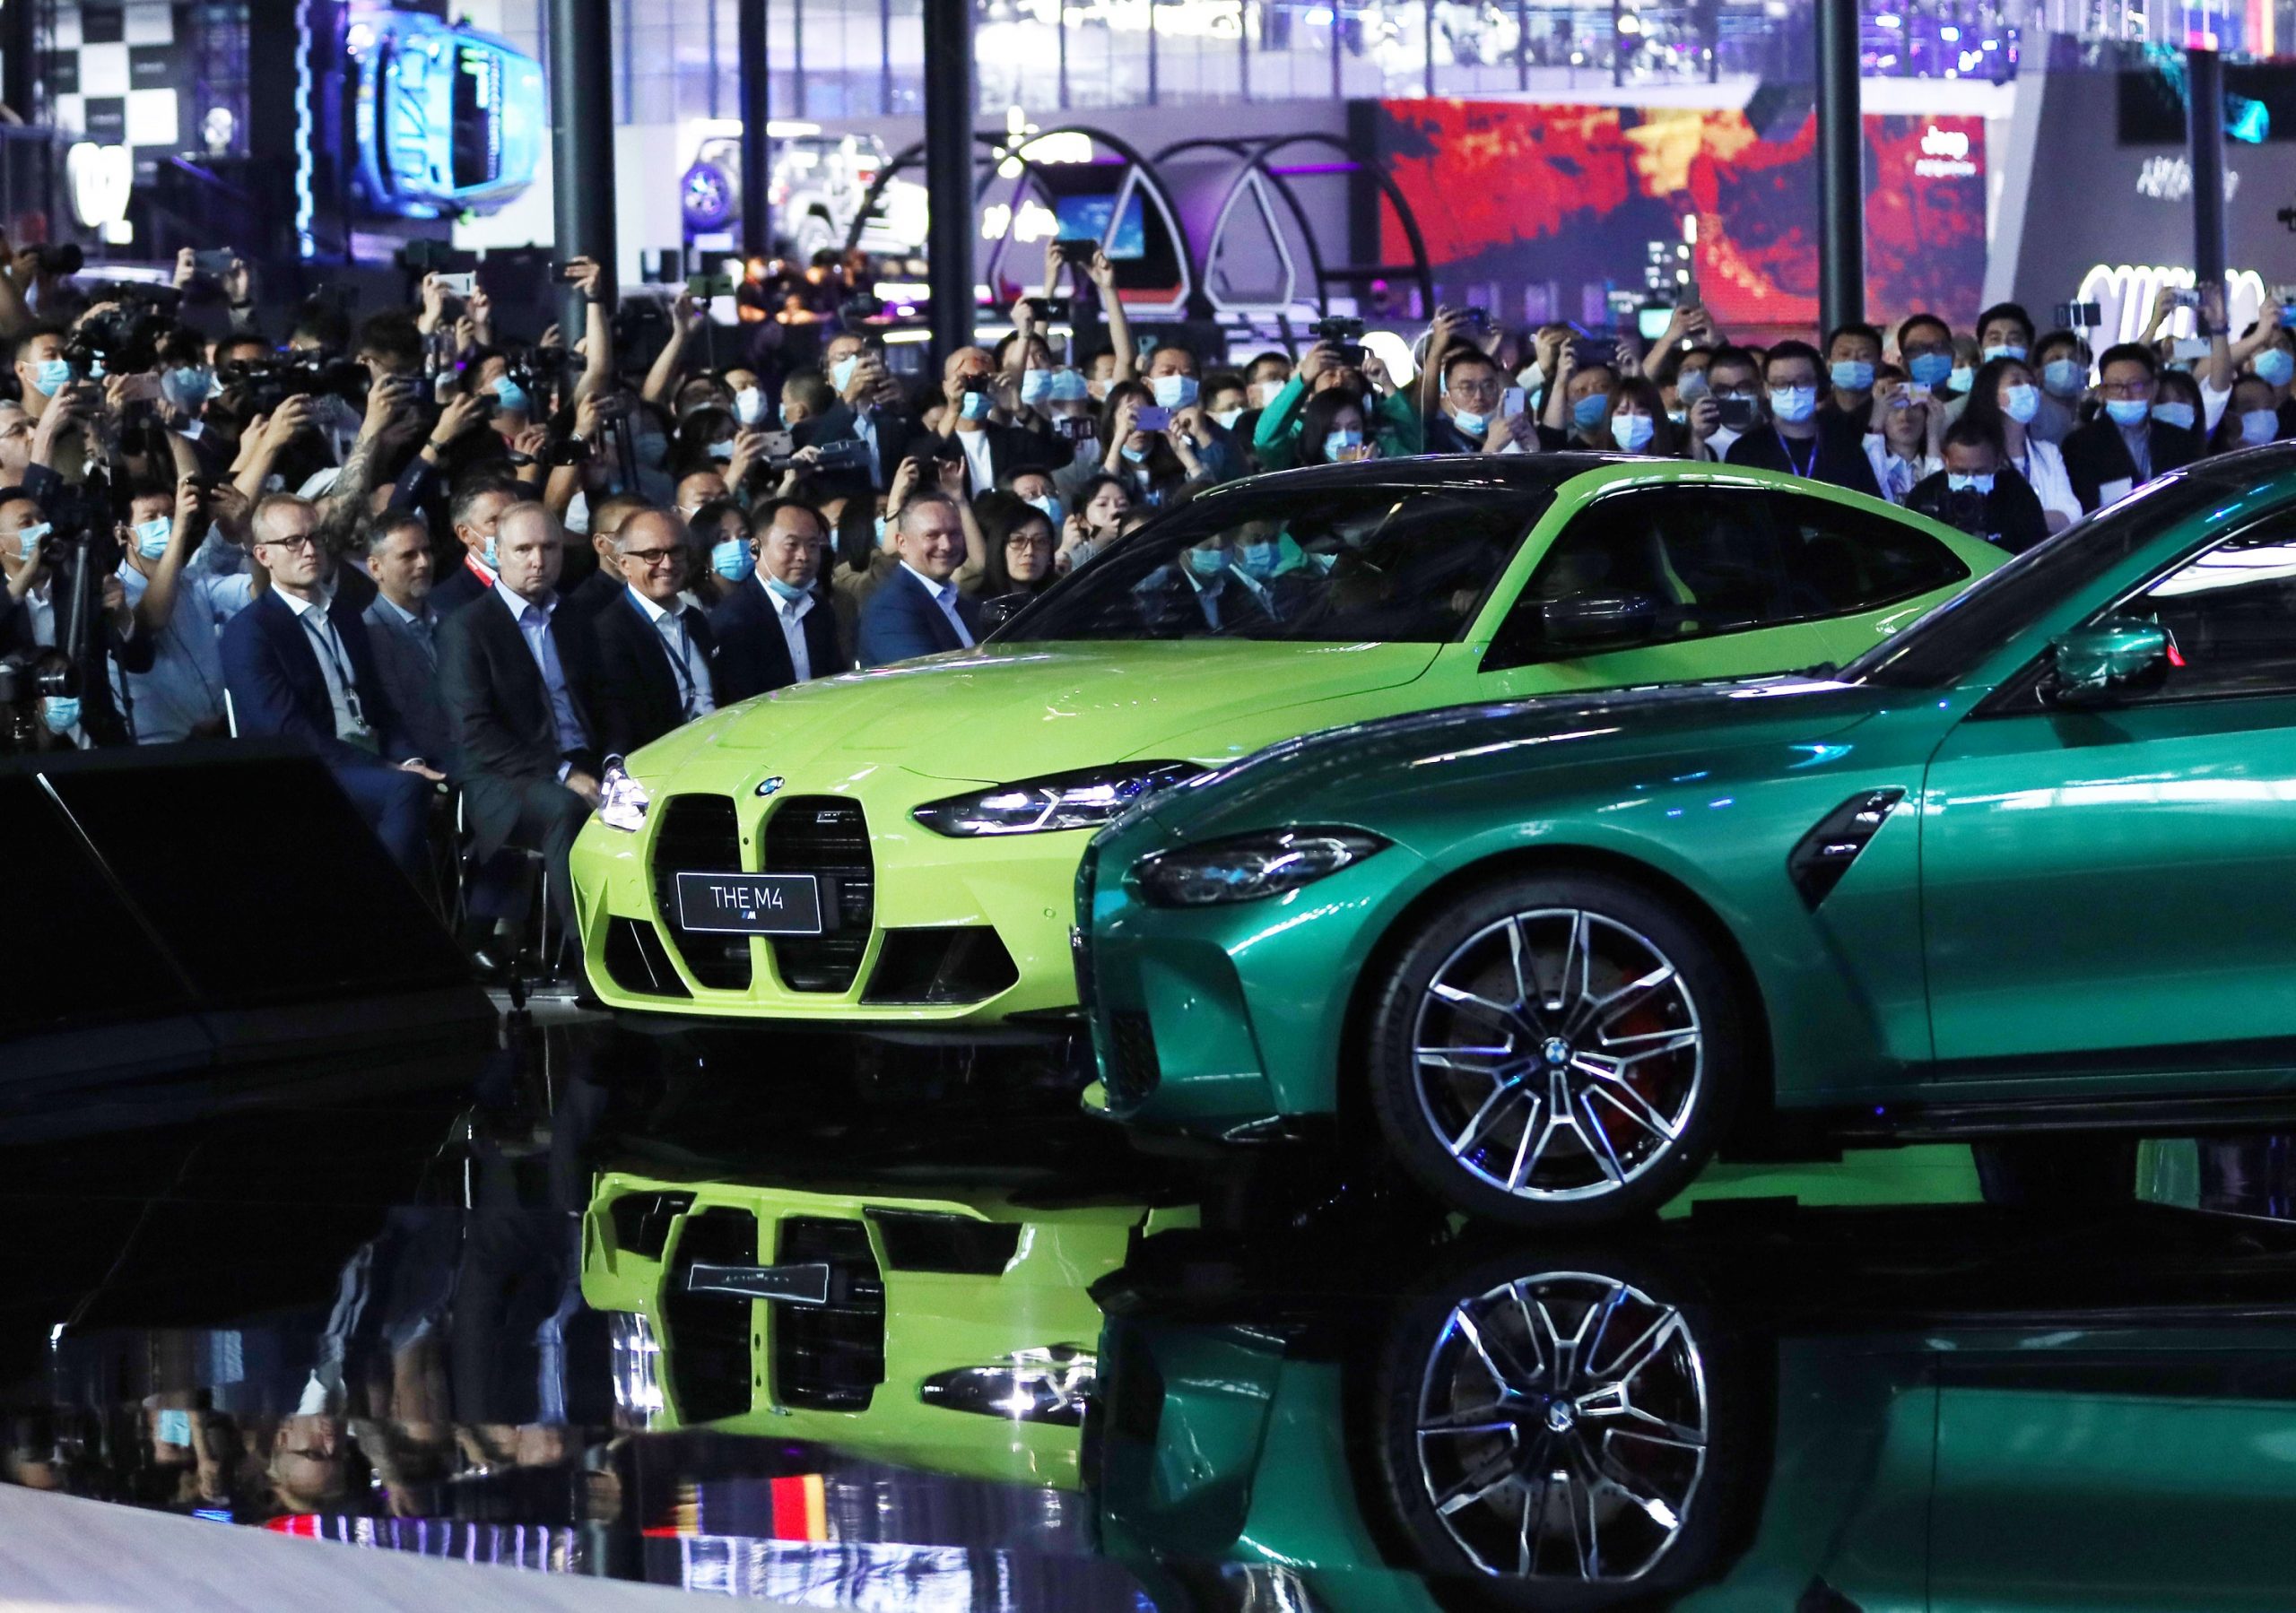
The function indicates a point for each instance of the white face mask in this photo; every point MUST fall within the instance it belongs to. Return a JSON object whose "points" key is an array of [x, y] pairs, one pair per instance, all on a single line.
{"points": [[749, 405], [1263, 393]]}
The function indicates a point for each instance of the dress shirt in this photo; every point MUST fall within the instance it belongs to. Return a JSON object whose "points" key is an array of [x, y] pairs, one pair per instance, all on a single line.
{"points": [[534, 627], [334, 666], [185, 687], [39, 610], [791, 615], [978, 459], [944, 594], [686, 660], [2138, 440], [424, 627], [864, 427]]}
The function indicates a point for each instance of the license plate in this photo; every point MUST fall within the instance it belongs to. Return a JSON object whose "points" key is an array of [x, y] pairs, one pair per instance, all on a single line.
{"points": [[750, 904]]}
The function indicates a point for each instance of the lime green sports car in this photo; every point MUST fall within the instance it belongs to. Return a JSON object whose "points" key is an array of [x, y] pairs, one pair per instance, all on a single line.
{"points": [[899, 846], [2021, 873]]}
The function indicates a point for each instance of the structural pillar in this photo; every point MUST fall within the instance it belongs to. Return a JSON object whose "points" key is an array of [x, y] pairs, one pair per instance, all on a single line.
{"points": [[2204, 130], [1841, 167], [20, 55], [581, 143], [948, 172], [755, 71]]}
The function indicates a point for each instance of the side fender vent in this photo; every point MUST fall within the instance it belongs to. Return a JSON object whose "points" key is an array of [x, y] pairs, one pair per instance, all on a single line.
{"points": [[1820, 858]]}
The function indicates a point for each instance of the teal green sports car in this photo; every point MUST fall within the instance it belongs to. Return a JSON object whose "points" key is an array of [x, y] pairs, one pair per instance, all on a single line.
{"points": [[2024, 870]]}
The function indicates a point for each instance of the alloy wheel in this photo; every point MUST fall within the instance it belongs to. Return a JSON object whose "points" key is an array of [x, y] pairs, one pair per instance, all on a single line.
{"points": [[1562, 1427], [1558, 1056]]}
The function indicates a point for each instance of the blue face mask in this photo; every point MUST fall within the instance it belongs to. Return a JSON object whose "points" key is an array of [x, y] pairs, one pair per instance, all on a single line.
{"points": [[1135, 455], [52, 375], [1853, 375], [2065, 378], [486, 555], [1337, 442], [2009, 350], [61, 713], [840, 374], [731, 560], [1634, 432], [1588, 413], [722, 450], [1174, 392], [2127, 411], [187, 386], [1793, 405], [2179, 415], [151, 536], [29, 538], [1930, 370], [1691, 387], [2022, 402], [1207, 562], [2259, 425], [511, 396], [781, 590], [884, 526], [1471, 426], [2274, 366], [1050, 505], [977, 406], [1975, 482], [1036, 386], [1070, 386], [1258, 561]]}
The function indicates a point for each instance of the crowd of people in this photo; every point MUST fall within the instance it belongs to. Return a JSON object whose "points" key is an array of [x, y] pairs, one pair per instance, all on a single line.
{"points": [[450, 560]]}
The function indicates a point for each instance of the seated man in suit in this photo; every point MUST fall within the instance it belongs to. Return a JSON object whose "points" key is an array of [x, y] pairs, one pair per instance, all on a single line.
{"points": [[519, 681], [298, 663], [919, 611], [403, 630], [655, 651], [2125, 448], [476, 512], [775, 629]]}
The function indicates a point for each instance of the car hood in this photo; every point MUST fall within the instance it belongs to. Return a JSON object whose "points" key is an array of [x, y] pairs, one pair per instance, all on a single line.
{"points": [[1002, 712], [1351, 769]]}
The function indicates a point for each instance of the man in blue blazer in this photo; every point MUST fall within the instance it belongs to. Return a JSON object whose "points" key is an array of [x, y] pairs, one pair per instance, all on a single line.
{"points": [[919, 611], [403, 631], [297, 662], [775, 628]]}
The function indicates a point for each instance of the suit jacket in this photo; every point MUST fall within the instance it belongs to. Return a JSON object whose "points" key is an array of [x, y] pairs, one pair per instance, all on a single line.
{"points": [[273, 672], [639, 696], [498, 710], [593, 593], [457, 588], [407, 659], [752, 655], [2095, 453], [899, 434], [902, 620]]}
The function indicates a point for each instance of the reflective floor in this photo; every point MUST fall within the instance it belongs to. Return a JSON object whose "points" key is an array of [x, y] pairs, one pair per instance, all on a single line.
{"points": [[851, 1325]]}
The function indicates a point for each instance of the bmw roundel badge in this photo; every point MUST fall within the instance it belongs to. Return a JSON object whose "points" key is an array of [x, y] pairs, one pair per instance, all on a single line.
{"points": [[769, 785]]}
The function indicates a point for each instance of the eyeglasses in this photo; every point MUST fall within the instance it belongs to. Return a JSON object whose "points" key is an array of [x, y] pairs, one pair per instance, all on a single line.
{"points": [[2142, 387], [650, 557], [289, 544]]}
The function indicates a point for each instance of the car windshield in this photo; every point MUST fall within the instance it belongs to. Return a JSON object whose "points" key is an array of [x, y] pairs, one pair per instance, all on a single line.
{"points": [[1396, 565], [1948, 642]]}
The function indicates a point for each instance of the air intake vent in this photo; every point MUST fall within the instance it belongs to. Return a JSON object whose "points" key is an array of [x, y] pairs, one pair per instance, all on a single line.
{"points": [[706, 1353], [1825, 855], [830, 1357], [637, 961], [641, 1221], [922, 1241], [698, 834], [961, 963], [1130, 1072], [829, 838]]}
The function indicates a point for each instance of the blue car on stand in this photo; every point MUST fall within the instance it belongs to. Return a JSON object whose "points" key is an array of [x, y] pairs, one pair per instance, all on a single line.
{"points": [[448, 119]]}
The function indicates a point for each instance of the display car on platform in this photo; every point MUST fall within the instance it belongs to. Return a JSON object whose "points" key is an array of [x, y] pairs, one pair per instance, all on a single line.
{"points": [[2018, 871], [447, 118], [899, 846]]}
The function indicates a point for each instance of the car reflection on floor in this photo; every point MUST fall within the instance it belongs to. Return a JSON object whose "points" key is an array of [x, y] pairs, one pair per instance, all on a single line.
{"points": [[929, 1339]]}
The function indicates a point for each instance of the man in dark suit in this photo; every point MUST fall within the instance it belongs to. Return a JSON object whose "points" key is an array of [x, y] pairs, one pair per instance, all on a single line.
{"points": [[655, 651], [519, 682], [403, 630], [775, 629], [298, 663], [2125, 448], [857, 399], [919, 611], [481, 496]]}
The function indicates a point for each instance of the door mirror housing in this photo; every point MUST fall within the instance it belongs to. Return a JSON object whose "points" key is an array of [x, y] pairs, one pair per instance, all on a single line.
{"points": [[2093, 664], [1592, 619]]}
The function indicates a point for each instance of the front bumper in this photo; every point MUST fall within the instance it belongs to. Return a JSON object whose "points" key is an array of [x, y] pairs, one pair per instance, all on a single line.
{"points": [[924, 931]]}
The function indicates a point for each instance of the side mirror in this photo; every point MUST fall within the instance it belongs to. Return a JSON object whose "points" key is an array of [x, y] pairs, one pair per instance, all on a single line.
{"points": [[1597, 619], [2091, 664]]}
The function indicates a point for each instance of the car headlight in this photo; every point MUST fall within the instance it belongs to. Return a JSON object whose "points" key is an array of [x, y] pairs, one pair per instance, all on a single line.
{"points": [[636, 1356], [1088, 798], [1249, 866], [1049, 1385], [622, 800]]}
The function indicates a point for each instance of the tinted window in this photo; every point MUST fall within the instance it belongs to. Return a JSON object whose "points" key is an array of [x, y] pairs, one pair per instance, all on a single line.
{"points": [[2231, 615], [476, 135], [1360, 565], [1855, 561]]}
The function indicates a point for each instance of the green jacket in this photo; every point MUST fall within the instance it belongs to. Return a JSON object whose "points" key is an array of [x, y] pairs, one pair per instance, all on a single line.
{"points": [[1276, 440]]}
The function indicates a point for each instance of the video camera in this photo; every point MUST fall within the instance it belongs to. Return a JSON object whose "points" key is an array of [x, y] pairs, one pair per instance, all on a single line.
{"points": [[271, 382], [125, 340], [1347, 334]]}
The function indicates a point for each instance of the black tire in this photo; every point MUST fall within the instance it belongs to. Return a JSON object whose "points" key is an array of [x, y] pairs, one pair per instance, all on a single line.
{"points": [[1716, 1509], [1704, 1000]]}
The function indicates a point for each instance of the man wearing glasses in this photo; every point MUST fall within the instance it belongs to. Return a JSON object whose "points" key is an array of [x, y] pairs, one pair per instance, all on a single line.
{"points": [[297, 662], [655, 655], [2125, 446]]}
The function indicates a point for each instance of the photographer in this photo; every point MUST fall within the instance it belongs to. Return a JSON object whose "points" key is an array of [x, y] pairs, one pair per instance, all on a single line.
{"points": [[181, 578], [991, 450], [1794, 439], [49, 571], [1980, 494], [1390, 419]]}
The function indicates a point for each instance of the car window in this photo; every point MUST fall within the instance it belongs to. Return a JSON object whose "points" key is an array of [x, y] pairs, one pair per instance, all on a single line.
{"points": [[2231, 615], [1352, 565], [476, 145], [1854, 560]]}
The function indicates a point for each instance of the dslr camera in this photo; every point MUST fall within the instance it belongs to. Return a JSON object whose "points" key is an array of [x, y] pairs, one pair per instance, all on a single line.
{"points": [[1347, 334]]}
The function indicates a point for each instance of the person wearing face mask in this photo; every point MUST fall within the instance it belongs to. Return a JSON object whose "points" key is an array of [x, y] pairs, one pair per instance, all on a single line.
{"points": [[1792, 439], [1926, 353], [2125, 447], [1037, 490], [1980, 494], [2060, 361], [1853, 354], [2267, 350], [1225, 394], [1332, 431], [1637, 422], [43, 376], [1390, 417], [34, 561], [473, 514], [1200, 593], [1102, 506], [2249, 421], [1265, 379], [2007, 398], [182, 594], [992, 449], [721, 554], [868, 408], [2177, 400], [1579, 404], [1469, 417], [1906, 450], [778, 628], [655, 655], [2005, 331]]}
